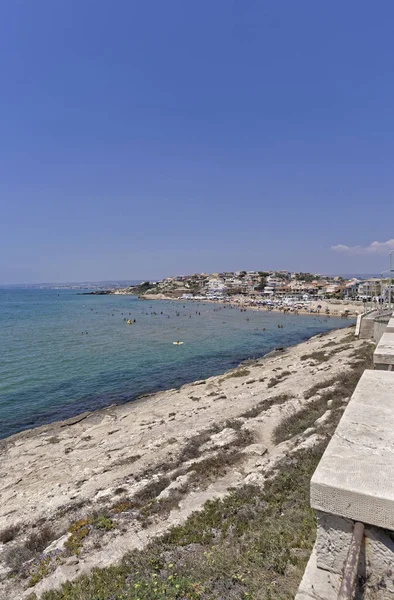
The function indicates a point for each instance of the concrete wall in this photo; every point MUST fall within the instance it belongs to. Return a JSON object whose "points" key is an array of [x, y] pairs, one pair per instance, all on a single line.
{"points": [[354, 482], [380, 326], [383, 357], [390, 326], [372, 324], [323, 575], [367, 328]]}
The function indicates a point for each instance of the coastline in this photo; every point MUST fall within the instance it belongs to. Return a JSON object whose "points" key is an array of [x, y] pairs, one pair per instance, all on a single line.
{"points": [[152, 391], [70, 467], [244, 336], [54, 426], [335, 308]]}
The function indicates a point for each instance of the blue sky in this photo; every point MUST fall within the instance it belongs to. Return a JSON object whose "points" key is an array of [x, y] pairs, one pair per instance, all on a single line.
{"points": [[144, 139]]}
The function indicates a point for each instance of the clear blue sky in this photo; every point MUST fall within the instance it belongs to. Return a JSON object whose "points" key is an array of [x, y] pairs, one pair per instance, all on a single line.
{"points": [[140, 139]]}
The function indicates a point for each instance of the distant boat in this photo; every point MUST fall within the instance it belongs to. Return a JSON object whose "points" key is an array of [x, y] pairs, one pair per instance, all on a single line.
{"points": [[177, 343]]}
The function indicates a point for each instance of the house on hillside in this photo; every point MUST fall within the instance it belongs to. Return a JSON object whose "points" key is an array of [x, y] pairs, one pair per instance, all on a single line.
{"points": [[369, 288]]}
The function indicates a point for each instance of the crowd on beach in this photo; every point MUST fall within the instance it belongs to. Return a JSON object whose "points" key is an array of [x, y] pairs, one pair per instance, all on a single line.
{"points": [[301, 307], [324, 307]]}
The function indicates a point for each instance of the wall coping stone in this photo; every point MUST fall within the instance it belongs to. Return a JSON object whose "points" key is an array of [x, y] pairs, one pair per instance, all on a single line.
{"points": [[390, 326], [384, 351], [355, 477]]}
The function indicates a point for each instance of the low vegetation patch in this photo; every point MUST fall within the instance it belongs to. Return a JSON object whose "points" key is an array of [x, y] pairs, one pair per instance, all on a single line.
{"points": [[265, 405], [345, 384], [18, 555], [37, 542], [103, 522], [213, 467], [146, 503], [238, 373], [80, 529], [321, 385], [349, 337], [300, 421], [324, 355], [128, 460], [192, 449], [319, 356], [40, 570], [9, 534], [328, 344], [275, 380], [235, 424], [363, 356]]}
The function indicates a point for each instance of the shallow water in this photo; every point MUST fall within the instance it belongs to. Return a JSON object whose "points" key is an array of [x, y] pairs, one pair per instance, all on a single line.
{"points": [[50, 370]]}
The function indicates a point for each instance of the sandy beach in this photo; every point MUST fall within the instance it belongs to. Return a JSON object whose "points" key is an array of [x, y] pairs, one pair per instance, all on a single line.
{"points": [[335, 307], [56, 474]]}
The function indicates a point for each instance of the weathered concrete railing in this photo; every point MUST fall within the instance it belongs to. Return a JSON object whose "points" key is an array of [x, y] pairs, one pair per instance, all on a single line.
{"points": [[390, 326], [364, 324], [352, 491], [372, 324], [383, 357], [380, 327]]}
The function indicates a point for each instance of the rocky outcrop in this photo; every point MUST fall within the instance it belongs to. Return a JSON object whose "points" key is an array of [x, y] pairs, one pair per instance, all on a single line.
{"points": [[148, 464]]}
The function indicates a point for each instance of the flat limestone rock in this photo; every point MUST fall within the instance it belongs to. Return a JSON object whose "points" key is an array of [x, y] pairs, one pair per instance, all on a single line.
{"points": [[355, 477], [218, 440], [257, 449], [175, 485]]}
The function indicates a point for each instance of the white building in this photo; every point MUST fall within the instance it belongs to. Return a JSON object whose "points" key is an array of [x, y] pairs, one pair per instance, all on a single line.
{"points": [[216, 288]]}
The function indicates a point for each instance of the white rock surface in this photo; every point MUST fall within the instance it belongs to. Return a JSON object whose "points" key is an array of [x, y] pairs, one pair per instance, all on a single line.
{"points": [[57, 544], [257, 449], [175, 485], [254, 479], [223, 438]]}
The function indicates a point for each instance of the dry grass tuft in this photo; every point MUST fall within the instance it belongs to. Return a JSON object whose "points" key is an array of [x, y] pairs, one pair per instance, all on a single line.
{"points": [[345, 384], [275, 380], [9, 534], [265, 405]]}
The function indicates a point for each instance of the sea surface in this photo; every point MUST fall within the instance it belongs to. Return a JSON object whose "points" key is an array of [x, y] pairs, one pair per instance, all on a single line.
{"points": [[62, 353]]}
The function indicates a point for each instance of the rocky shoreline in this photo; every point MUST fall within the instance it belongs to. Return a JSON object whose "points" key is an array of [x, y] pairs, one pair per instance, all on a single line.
{"points": [[144, 467]]}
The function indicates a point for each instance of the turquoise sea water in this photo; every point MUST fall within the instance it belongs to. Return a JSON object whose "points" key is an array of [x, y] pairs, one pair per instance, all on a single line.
{"points": [[50, 370]]}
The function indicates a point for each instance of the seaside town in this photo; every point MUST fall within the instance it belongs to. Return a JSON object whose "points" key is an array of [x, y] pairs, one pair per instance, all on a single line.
{"points": [[278, 290]]}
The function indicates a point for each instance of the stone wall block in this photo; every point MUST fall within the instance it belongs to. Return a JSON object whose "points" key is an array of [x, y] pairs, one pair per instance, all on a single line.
{"points": [[379, 562], [332, 541]]}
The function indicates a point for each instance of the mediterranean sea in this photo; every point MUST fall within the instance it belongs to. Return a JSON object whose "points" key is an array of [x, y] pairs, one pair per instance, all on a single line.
{"points": [[63, 353]]}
